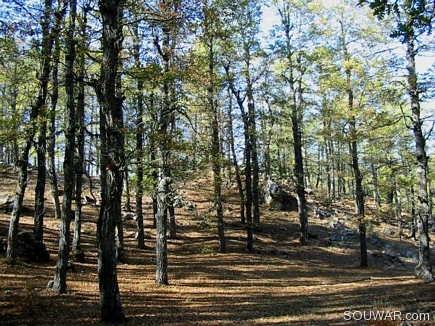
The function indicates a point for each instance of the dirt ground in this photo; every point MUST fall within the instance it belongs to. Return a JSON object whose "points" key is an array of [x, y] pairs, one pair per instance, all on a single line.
{"points": [[281, 283]]}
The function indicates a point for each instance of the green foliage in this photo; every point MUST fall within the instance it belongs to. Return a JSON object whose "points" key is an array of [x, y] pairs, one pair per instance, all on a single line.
{"points": [[411, 15]]}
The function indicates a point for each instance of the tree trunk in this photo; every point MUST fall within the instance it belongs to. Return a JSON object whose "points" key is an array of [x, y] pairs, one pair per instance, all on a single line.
{"points": [[111, 161], [29, 134], [254, 157], [248, 177], [69, 167], [359, 192], [215, 146], [412, 231], [248, 163], [127, 202], [155, 177], [299, 169], [41, 149], [51, 142], [299, 174], [248, 182], [353, 144], [376, 196], [139, 145], [80, 168], [22, 164], [235, 164], [296, 107], [423, 269], [398, 211], [161, 239], [166, 114]]}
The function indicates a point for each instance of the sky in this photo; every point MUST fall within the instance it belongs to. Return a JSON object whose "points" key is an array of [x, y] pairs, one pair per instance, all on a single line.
{"points": [[270, 17]]}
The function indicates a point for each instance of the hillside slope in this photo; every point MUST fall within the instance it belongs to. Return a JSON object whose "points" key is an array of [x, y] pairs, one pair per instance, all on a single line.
{"points": [[281, 283]]}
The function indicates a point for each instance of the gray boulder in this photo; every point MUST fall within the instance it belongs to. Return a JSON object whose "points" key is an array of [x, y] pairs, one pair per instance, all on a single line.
{"points": [[278, 199]]}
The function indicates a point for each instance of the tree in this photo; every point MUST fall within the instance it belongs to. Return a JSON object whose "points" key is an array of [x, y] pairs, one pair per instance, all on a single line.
{"points": [[163, 201], [69, 168], [413, 18], [241, 51], [112, 162], [207, 82], [293, 74], [139, 142], [38, 104], [166, 45], [80, 137]]}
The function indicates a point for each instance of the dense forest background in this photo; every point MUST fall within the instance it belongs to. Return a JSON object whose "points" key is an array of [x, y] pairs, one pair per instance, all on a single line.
{"points": [[326, 97]]}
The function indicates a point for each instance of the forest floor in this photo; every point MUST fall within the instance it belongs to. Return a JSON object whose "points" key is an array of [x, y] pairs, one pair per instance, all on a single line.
{"points": [[281, 283]]}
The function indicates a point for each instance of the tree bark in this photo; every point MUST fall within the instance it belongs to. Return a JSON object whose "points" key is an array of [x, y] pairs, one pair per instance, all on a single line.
{"points": [[127, 202], [296, 107], [69, 168], [376, 195], [166, 115], [139, 145], [51, 142], [18, 199], [398, 212], [248, 162], [248, 181], [29, 134], [111, 160], [235, 163], [215, 145], [49, 36], [41, 149], [423, 269], [163, 189], [80, 168], [254, 157]]}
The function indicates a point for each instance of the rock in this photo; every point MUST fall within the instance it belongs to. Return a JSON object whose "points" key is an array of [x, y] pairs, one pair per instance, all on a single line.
{"points": [[411, 254], [4, 199], [388, 246], [189, 206], [178, 201], [50, 284], [347, 233], [289, 202], [31, 250], [129, 216], [271, 191], [7, 203], [321, 213], [335, 237], [277, 199], [89, 199], [373, 241]]}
